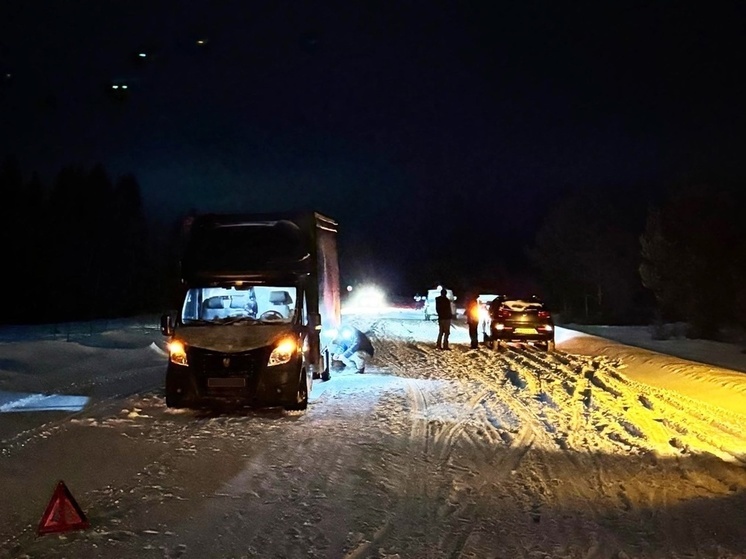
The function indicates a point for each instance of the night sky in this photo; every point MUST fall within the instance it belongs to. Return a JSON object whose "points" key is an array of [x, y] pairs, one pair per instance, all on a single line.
{"points": [[438, 134]]}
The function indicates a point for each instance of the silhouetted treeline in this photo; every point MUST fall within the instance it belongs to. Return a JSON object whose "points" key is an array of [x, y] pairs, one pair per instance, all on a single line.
{"points": [[694, 257], [79, 248], [619, 259], [588, 254]]}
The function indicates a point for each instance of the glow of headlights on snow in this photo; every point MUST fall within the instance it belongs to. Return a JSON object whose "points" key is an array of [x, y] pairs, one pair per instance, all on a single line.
{"points": [[24, 402], [564, 334], [368, 299]]}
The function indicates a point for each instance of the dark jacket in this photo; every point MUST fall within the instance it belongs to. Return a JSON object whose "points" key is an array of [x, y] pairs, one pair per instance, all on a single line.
{"points": [[472, 312], [495, 306], [443, 307]]}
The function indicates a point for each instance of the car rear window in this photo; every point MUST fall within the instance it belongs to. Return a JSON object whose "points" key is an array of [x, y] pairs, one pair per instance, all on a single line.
{"points": [[522, 306]]}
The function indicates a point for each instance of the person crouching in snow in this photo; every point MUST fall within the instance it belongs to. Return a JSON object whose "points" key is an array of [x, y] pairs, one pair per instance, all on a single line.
{"points": [[353, 348]]}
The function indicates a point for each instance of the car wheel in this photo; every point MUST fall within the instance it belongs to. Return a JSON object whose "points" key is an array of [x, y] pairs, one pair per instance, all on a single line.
{"points": [[301, 397]]}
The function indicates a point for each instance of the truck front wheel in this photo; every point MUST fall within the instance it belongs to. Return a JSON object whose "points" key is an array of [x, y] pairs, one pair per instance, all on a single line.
{"points": [[301, 398], [174, 395], [174, 400]]}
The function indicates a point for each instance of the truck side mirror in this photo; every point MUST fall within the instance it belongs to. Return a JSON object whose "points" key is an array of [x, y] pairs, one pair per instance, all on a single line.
{"points": [[167, 328]]}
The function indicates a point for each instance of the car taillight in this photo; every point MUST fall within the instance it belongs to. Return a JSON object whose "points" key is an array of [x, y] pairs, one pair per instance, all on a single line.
{"points": [[502, 313], [543, 314]]}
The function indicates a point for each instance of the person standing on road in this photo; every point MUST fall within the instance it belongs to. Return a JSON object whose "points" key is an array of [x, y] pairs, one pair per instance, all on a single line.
{"points": [[472, 321], [445, 315]]}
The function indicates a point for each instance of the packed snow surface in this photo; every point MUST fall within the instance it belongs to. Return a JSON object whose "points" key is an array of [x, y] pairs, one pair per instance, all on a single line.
{"points": [[595, 450]]}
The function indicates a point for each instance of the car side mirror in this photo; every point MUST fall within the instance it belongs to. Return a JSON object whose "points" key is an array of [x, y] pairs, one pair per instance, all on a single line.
{"points": [[167, 328]]}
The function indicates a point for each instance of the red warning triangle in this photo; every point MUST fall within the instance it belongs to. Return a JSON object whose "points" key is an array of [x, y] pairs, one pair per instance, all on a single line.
{"points": [[63, 513]]}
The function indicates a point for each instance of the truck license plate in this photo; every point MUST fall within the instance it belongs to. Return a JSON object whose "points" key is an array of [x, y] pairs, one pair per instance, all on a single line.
{"points": [[230, 382]]}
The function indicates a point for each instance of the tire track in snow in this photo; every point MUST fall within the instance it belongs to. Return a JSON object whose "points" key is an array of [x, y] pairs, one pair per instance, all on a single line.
{"points": [[416, 472], [594, 411], [681, 418], [435, 446], [600, 397]]}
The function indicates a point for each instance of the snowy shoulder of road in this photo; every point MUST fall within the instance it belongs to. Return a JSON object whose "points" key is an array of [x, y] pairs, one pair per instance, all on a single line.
{"points": [[705, 370]]}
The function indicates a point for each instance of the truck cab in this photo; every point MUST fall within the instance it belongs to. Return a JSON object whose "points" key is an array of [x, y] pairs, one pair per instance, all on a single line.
{"points": [[260, 305]]}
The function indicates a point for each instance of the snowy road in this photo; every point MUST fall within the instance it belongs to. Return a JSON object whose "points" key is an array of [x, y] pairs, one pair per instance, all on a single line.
{"points": [[429, 455]]}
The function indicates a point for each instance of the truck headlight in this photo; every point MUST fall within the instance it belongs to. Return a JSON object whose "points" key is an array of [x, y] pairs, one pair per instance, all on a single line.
{"points": [[283, 352], [177, 352]]}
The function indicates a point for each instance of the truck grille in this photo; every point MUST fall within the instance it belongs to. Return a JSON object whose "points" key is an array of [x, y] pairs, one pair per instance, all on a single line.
{"points": [[218, 364], [226, 374]]}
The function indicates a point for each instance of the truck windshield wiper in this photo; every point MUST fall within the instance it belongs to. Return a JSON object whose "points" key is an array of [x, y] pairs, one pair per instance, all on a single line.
{"points": [[190, 321], [238, 319]]}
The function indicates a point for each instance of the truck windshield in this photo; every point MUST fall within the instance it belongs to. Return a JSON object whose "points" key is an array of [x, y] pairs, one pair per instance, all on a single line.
{"points": [[245, 304]]}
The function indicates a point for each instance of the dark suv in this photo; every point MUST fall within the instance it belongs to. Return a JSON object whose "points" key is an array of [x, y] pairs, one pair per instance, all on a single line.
{"points": [[522, 320]]}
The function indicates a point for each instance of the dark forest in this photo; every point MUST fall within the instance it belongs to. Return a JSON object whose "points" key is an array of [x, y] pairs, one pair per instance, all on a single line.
{"points": [[79, 249]]}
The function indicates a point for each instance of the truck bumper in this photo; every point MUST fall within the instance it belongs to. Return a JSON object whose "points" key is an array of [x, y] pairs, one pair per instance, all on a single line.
{"points": [[271, 386]]}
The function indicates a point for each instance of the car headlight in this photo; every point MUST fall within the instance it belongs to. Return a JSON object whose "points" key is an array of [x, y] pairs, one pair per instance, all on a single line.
{"points": [[177, 352], [283, 352]]}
